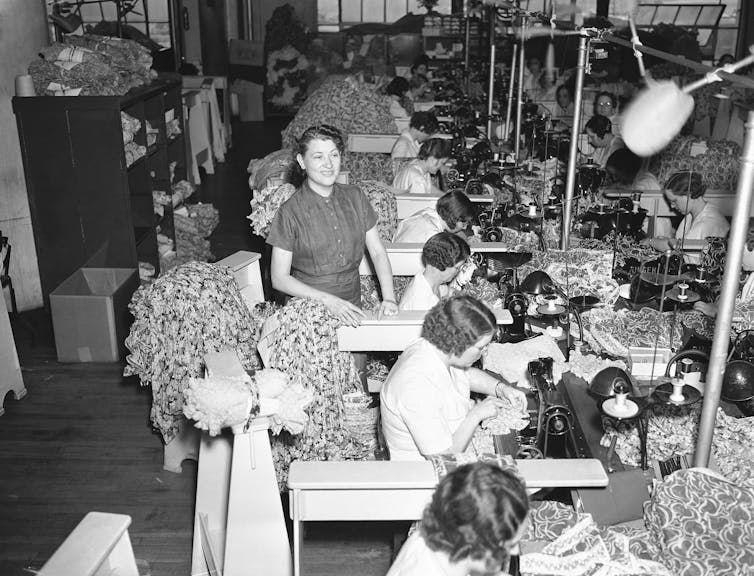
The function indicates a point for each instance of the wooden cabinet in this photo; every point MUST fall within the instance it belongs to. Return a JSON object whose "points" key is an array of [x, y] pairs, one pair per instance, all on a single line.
{"points": [[90, 206]]}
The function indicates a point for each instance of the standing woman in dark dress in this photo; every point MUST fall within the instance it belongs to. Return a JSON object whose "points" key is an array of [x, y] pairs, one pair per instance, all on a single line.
{"points": [[319, 234]]}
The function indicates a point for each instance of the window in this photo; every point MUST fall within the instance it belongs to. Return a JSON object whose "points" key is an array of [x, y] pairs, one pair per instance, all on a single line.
{"points": [[716, 21], [149, 16], [331, 14]]}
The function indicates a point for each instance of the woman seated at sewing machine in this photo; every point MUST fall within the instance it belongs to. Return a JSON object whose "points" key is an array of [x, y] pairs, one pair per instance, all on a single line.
{"points": [[624, 168], [397, 90], [452, 213], [425, 403], [684, 191], [442, 258], [599, 133], [472, 525], [416, 176]]}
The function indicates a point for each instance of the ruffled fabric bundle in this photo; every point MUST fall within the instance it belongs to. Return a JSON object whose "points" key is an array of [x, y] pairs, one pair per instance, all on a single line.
{"points": [[186, 313]]}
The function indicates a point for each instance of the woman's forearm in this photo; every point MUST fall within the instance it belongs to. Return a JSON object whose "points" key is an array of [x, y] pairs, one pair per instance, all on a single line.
{"points": [[464, 433], [481, 382], [295, 287], [384, 273]]}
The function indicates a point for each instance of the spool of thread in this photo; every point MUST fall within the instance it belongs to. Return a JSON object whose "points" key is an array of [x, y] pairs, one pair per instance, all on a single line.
{"points": [[637, 204], [496, 156], [551, 303], [532, 209], [682, 287], [24, 85], [677, 395]]}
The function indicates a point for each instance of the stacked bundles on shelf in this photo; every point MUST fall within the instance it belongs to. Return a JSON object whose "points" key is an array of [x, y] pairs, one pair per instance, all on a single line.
{"points": [[91, 65], [130, 127], [182, 316], [193, 225]]}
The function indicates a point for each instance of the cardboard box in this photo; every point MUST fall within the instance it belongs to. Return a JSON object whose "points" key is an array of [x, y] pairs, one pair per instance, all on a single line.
{"points": [[90, 314], [246, 52], [250, 100]]}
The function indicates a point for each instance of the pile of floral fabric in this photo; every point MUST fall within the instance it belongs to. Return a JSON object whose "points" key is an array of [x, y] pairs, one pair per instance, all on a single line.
{"points": [[615, 331], [719, 163], [91, 65], [194, 223], [275, 167], [353, 107], [673, 431], [186, 313], [578, 272], [345, 103], [341, 425]]}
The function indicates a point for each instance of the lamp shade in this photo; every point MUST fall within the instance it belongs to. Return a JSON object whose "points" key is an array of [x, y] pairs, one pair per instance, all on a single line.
{"points": [[655, 117], [605, 381], [538, 282], [738, 381]]}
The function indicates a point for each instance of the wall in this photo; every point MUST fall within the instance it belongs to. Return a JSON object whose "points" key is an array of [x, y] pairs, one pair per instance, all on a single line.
{"points": [[23, 31]]}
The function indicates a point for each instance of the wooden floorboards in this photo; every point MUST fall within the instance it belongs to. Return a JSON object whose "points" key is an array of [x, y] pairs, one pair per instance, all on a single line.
{"points": [[81, 441]]}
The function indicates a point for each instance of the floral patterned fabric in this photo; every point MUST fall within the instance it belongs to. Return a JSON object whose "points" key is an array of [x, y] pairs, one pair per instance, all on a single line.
{"points": [[346, 103], [615, 331], [719, 164], [577, 272], [586, 549], [368, 166], [703, 524], [382, 198], [186, 313], [305, 347]]}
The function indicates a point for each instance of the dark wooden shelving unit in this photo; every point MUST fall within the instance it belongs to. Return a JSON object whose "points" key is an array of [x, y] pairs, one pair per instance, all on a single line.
{"points": [[88, 207]]}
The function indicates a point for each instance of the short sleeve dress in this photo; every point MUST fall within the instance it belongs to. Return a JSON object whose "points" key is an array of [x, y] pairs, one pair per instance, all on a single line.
{"points": [[327, 238]]}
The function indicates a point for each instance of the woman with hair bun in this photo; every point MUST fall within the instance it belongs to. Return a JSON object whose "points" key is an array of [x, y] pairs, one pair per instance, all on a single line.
{"points": [[684, 192], [319, 234], [472, 525], [425, 403]]}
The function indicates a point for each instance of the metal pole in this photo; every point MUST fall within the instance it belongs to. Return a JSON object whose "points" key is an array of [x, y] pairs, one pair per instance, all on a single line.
{"points": [[574, 149], [466, 42], [718, 358], [510, 94], [520, 102], [491, 86]]}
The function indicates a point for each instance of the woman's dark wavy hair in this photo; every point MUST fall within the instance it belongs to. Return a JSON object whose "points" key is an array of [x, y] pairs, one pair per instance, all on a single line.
{"points": [[320, 132], [600, 125], [455, 324], [296, 174], [454, 207], [398, 86], [624, 165], [424, 122], [686, 183], [444, 250], [476, 509], [436, 147]]}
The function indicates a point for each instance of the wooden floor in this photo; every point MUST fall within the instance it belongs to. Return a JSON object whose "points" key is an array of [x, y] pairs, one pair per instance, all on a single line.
{"points": [[81, 439]]}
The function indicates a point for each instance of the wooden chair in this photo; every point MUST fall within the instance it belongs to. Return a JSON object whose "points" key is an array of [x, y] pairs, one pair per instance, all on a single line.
{"points": [[98, 546]]}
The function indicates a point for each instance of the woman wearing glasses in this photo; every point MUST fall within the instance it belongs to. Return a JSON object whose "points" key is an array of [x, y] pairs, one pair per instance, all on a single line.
{"points": [[606, 104], [425, 403]]}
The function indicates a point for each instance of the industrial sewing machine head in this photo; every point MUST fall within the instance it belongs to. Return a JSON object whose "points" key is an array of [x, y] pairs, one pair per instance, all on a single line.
{"points": [[555, 434]]}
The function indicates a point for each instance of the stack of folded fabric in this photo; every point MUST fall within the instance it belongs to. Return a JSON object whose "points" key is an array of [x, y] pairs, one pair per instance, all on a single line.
{"points": [[194, 223]]}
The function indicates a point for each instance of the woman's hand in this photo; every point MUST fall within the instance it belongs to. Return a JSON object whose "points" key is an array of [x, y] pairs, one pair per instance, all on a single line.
{"points": [[387, 308], [661, 244], [706, 308], [487, 408], [514, 396], [346, 312]]}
